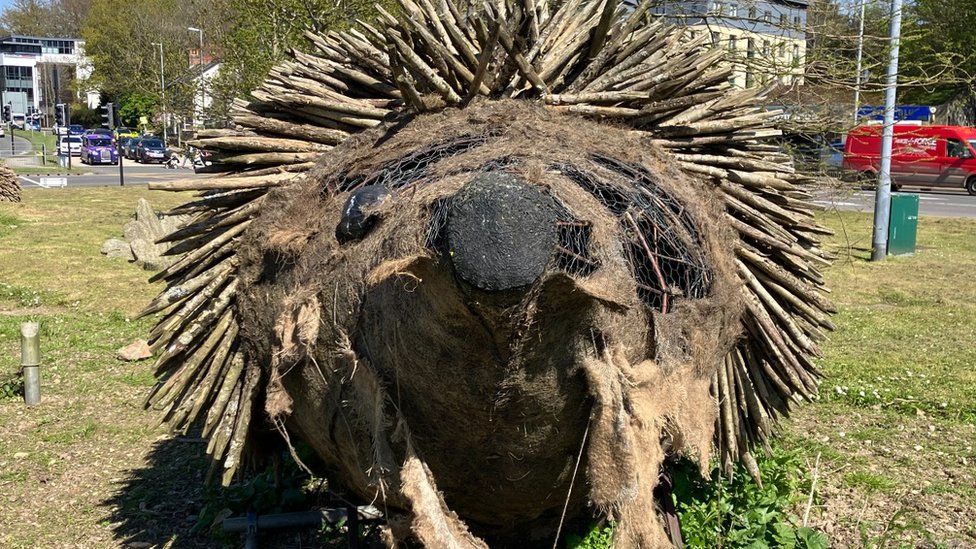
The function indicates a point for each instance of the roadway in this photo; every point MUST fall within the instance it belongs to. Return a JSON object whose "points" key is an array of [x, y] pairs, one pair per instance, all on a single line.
{"points": [[106, 175], [21, 147], [934, 202]]}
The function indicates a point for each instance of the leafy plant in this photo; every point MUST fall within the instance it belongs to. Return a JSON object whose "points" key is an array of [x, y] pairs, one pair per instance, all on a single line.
{"points": [[600, 536], [11, 385], [737, 512]]}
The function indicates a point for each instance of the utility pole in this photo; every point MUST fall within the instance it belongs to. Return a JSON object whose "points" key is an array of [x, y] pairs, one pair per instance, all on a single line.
{"points": [[202, 82], [10, 125], [162, 86], [860, 53], [882, 198]]}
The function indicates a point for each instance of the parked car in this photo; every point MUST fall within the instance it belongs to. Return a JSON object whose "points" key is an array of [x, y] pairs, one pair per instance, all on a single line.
{"points": [[922, 156], [76, 129], [18, 120], [129, 147], [122, 131], [151, 150], [98, 149], [69, 144]]}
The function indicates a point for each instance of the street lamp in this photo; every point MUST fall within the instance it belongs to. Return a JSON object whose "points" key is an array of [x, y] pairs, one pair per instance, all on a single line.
{"points": [[162, 86], [202, 81]]}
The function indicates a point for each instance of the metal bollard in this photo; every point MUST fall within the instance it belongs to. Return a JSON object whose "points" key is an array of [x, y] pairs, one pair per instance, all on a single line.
{"points": [[30, 361]]}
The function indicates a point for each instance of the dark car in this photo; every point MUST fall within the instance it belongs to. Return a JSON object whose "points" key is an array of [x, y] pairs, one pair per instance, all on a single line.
{"points": [[98, 148], [129, 147], [151, 150], [76, 129]]}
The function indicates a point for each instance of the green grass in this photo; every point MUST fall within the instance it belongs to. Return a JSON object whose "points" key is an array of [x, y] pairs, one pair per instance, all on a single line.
{"points": [[49, 140], [895, 424], [51, 170]]}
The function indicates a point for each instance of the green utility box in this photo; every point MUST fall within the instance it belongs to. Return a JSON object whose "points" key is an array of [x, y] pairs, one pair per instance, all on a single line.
{"points": [[903, 224]]}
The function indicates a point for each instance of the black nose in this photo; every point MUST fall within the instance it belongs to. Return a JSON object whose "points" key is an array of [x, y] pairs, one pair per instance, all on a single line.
{"points": [[501, 231]]}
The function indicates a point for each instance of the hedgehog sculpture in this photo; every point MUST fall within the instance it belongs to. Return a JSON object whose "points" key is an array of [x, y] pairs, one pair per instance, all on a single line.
{"points": [[494, 264]]}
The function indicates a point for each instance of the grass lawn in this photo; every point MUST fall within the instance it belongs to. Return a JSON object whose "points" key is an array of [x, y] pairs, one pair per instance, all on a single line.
{"points": [[894, 428], [895, 425], [49, 170], [37, 139]]}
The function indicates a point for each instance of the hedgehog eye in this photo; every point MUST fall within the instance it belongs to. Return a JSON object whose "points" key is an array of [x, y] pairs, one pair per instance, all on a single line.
{"points": [[358, 213]]}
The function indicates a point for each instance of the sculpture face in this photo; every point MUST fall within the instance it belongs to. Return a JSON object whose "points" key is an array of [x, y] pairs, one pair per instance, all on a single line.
{"points": [[480, 301]]}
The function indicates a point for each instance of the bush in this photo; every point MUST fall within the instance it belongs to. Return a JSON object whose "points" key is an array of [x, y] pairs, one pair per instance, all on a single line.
{"points": [[736, 512]]}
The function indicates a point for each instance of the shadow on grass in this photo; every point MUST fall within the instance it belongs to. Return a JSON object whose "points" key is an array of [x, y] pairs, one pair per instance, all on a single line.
{"points": [[161, 502]]}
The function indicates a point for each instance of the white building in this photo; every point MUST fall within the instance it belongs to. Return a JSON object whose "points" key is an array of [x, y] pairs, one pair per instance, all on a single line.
{"points": [[37, 73]]}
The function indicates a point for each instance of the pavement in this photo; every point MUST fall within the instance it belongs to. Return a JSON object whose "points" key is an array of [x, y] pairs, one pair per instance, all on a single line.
{"points": [[934, 202], [107, 175]]}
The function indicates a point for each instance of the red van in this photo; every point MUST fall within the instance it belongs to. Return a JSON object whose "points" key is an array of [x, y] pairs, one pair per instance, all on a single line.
{"points": [[921, 156]]}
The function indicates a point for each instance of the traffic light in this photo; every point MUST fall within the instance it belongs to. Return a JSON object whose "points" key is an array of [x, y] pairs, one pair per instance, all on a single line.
{"points": [[108, 115], [6, 113], [59, 114]]}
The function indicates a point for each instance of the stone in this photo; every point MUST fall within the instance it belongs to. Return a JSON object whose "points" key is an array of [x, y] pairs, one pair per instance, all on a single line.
{"points": [[144, 251], [117, 249], [136, 230], [137, 350], [148, 217]]}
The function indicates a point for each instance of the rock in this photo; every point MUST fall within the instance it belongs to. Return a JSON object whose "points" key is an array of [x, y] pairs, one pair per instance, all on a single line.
{"points": [[117, 249], [137, 350], [141, 234], [136, 230], [146, 216]]}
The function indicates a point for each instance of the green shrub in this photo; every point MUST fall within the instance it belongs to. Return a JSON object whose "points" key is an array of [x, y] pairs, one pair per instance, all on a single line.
{"points": [[736, 512]]}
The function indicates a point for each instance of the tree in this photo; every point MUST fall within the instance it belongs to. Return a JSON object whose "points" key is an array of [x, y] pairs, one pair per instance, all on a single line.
{"points": [[940, 57], [264, 30], [56, 18]]}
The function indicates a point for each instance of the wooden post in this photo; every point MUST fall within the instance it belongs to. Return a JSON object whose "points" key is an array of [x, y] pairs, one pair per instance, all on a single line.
{"points": [[30, 361]]}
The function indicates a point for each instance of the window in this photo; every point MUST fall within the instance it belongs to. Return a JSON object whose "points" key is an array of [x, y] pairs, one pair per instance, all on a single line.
{"points": [[733, 10], [765, 48], [716, 7], [750, 48], [732, 40], [782, 20], [782, 49], [957, 149], [796, 53], [657, 10], [752, 13], [796, 21], [767, 17], [715, 39]]}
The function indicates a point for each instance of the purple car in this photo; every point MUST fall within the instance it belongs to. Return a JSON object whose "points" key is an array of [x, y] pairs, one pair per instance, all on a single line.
{"points": [[98, 148]]}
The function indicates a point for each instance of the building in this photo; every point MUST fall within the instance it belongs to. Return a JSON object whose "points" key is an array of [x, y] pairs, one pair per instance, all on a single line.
{"points": [[37, 73], [766, 39]]}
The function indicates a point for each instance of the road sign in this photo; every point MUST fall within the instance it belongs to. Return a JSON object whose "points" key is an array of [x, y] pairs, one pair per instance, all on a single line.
{"points": [[49, 182]]}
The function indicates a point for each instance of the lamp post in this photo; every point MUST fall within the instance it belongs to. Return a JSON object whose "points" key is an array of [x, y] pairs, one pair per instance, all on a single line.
{"points": [[882, 198], [162, 86], [202, 81], [860, 53]]}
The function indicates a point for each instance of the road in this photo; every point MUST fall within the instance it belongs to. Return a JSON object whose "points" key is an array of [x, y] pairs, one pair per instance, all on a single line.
{"points": [[104, 176], [941, 202]]}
